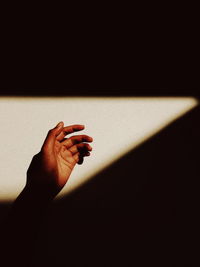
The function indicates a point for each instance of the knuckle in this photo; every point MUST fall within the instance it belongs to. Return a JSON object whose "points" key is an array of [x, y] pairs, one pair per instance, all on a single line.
{"points": [[50, 131]]}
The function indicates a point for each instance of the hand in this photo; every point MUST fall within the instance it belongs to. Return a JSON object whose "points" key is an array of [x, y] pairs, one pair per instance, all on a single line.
{"points": [[51, 167]]}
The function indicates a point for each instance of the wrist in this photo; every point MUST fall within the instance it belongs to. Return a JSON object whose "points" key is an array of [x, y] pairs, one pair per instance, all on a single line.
{"points": [[36, 195]]}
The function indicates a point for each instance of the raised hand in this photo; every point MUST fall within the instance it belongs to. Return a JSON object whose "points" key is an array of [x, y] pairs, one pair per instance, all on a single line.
{"points": [[51, 167]]}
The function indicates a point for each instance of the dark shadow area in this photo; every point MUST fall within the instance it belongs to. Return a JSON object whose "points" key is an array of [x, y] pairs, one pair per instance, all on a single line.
{"points": [[99, 87], [142, 209]]}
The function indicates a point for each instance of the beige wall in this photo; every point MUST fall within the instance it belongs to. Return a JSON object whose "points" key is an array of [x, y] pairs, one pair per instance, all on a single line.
{"points": [[116, 124]]}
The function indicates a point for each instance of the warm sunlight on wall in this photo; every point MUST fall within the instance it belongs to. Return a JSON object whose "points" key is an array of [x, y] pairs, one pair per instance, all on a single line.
{"points": [[116, 124]]}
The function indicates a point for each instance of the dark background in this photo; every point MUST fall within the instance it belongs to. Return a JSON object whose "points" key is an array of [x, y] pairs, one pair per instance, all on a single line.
{"points": [[143, 209], [152, 217]]}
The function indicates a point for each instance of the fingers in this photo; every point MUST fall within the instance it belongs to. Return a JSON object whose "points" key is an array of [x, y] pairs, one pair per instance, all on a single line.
{"points": [[80, 150], [76, 140], [68, 130], [80, 161], [74, 144], [49, 142], [79, 157], [83, 147]]}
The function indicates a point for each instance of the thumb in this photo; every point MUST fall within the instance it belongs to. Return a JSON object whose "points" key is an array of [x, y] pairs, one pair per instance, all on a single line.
{"points": [[51, 137], [59, 126]]}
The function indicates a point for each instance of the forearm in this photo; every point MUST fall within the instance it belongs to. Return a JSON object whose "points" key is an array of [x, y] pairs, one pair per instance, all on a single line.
{"points": [[32, 201], [21, 227]]}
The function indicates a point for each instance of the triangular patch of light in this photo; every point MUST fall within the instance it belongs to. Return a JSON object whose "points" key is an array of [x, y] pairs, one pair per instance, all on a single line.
{"points": [[117, 124]]}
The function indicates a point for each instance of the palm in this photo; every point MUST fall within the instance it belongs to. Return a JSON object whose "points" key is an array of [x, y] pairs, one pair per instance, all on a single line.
{"points": [[64, 162], [52, 167]]}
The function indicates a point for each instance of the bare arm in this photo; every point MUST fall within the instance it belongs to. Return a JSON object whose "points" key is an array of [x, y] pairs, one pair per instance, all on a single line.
{"points": [[47, 174]]}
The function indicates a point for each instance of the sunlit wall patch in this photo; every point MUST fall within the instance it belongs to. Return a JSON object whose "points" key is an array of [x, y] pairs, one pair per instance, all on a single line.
{"points": [[117, 124]]}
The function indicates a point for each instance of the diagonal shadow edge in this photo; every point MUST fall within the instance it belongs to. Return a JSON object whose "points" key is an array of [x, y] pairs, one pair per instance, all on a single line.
{"points": [[124, 233], [89, 185], [151, 134], [192, 113]]}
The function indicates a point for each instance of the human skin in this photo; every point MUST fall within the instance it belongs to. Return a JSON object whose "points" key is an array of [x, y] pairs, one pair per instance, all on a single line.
{"points": [[47, 174], [51, 168]]}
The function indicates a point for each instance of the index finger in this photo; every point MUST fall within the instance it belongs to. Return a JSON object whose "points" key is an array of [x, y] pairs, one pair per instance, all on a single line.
{"points": [[68, 130], [77, 139]]}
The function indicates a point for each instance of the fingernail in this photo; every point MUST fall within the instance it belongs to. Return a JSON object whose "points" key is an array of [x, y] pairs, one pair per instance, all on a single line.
{"points": [[59, 124]]}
